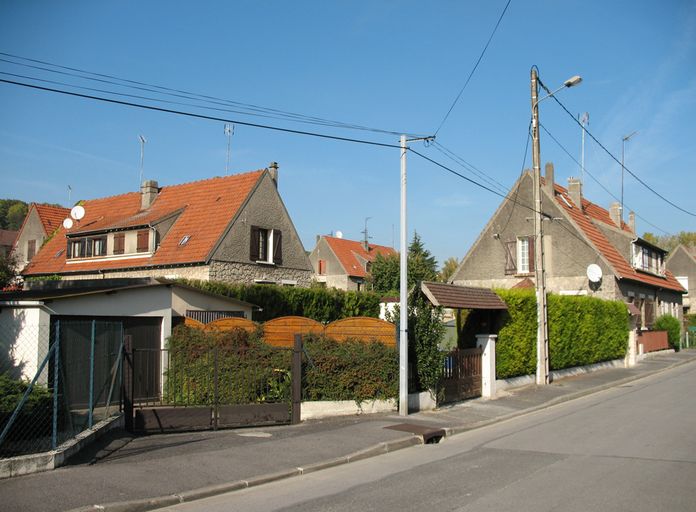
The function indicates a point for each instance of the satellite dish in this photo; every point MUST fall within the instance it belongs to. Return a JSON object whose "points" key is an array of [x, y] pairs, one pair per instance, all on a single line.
{"points": [[77, 212], [594, 273], [339, 234], [67, 223]]}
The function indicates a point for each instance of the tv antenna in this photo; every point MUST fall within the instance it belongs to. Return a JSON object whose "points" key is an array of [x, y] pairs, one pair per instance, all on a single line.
{"points": [[367, 237], [229, 131], [142, 157]]}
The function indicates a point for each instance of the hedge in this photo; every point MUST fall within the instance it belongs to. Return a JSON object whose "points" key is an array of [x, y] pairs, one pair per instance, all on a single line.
{"points": [[582, 330], [251, 371], [320, 304], [671, 325]]}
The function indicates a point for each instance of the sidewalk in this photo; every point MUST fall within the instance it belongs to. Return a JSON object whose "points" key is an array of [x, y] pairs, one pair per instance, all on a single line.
{"points": [[143, 473]]}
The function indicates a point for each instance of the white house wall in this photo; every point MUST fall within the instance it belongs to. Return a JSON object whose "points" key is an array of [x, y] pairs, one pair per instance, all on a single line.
{"points": [[24, 339], [184, 299]]}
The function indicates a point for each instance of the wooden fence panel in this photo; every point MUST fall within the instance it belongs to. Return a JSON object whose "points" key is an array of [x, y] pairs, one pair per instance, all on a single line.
{"points": [[653, 341], [362, 328], [192, 322], [280, 332], [227, 324]]}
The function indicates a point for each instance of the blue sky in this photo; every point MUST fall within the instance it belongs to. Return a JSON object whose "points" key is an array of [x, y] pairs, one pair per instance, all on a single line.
{"points": [[393, 65]]}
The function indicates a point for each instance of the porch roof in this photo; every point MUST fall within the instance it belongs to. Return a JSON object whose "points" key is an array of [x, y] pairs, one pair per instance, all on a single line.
{"points": [[461, 297]]}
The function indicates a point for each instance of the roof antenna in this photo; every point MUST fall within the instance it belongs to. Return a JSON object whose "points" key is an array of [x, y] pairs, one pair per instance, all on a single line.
{"points": [[366, 243], [69, 194], [142, 156], [229, 131]]}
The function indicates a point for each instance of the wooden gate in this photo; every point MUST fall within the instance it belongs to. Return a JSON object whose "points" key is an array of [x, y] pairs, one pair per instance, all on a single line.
{"points": [[461, 375]]}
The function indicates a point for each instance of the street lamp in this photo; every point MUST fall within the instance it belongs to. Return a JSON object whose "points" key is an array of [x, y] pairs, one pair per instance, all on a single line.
{"points": [[542, 372], [623, 151]]}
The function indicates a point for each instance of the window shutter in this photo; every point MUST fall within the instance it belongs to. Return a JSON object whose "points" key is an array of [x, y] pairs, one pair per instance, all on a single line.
{"points": [[143, 241], [322, 267], [119, 243], [254, 244], [531, 244], [511, 257], [31, 249], [277, 247]]}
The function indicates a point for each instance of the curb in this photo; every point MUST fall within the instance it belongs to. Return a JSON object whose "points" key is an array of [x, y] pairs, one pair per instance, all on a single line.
{"points": [[146, 504]]}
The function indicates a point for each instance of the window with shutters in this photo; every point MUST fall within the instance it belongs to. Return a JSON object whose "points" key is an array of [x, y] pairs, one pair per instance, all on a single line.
{"points": [[519, 256], [322, 267], [266, 245]]}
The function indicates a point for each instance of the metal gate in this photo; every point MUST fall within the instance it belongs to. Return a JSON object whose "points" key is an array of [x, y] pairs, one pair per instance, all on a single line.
{"points": [[461, 376], [195, 388]]}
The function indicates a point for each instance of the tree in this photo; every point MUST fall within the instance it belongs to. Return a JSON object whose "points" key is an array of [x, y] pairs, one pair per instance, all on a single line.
{"points": [[5, 206], [384, 274], [8, 271], [385, 271], [15, 215], [422, 266], [670, 242], [448, 269]]}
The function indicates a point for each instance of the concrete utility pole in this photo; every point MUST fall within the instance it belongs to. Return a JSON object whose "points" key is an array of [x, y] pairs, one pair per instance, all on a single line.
{"points": [[403, 284], [542, 370], [403, 300]]}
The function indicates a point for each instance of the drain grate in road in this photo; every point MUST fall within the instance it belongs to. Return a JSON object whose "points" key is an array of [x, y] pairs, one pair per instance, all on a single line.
{"points": [[430, 434]]}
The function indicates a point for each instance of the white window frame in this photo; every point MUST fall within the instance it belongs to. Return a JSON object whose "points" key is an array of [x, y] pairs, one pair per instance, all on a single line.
{"points": [[523, 255]]}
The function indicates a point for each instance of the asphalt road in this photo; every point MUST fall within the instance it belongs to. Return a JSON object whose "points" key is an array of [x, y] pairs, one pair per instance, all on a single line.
{"points": [[628, 448]]}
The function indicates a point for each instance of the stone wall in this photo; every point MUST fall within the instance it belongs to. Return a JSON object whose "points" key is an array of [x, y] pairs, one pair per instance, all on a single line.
{"points": [[201, 272], [249, 273]]}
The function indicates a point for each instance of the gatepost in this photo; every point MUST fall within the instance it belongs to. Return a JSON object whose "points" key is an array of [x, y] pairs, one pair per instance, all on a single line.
{"points": [[487, 343]]}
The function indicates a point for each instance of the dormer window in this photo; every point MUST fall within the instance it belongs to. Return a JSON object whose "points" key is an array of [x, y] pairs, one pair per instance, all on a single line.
{"points": [[648, 259], [87, 247]]}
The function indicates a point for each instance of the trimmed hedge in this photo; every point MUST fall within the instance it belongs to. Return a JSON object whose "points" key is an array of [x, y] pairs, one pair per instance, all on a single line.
{"points": [[320, 304], [671, 325], [251, 371], [582, 330]]}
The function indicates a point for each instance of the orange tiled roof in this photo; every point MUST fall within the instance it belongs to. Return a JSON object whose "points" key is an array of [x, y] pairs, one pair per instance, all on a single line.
{"points": [[51, 216], [205, 208], [347, 251], [585, 220]]}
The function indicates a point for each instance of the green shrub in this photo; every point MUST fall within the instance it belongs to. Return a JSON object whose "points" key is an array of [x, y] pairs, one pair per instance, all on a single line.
{"points": [[38, 407], [671, 325], [320, 304], [582, 330], [349, 370]]}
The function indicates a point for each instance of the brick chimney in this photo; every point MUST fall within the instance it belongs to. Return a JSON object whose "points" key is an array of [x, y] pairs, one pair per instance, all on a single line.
{"points": [[548, 176], [632, 222], [575, 191], [273, 169], [148, 193], [615, 213]]}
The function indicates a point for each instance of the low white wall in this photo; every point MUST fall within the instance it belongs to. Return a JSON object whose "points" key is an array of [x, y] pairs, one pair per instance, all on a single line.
{"points": [[312, 410], [524, 380]]}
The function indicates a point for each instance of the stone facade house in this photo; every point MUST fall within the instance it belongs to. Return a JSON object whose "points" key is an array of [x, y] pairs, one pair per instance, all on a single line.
{"points": [[682, 263], [344, 264], [577, 233], [232, 228], [41, 222]]}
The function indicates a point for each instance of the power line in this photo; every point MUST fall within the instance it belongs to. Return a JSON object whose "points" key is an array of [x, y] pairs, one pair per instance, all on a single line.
{"points": [[470, 167], [200, 116], [616, 159], [475, 66], [251, 109], [596, 180]]}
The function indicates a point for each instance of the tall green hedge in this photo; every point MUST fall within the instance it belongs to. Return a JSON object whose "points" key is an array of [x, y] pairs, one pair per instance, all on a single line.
{"points": [[671, 325], [582, 330], [320, 304]]}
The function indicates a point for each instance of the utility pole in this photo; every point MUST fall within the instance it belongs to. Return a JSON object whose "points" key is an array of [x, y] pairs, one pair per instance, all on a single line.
{"points": [[403, 300], [403, 284], [229, 131], [542, 370]]}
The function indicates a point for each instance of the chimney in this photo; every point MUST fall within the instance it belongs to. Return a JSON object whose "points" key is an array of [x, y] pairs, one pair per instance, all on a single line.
{"points": [[615, 213], [575, 191], [549, 178], [148, 193], [632, 222], [273, 169]]}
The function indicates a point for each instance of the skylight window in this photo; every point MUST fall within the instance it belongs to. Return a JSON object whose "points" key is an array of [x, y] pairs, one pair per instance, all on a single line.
{"points": [[60, 251], [184, 240]]}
